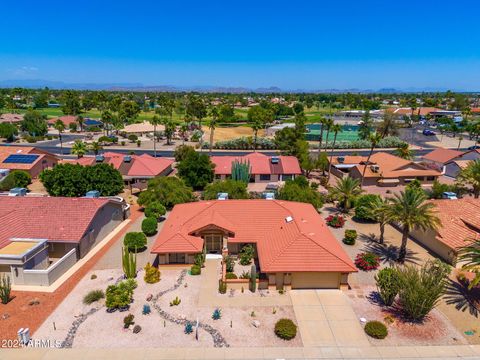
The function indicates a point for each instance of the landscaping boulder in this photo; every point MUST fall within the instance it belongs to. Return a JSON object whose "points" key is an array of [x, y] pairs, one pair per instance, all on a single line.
{"points": [[149, 297], [256, 323]]}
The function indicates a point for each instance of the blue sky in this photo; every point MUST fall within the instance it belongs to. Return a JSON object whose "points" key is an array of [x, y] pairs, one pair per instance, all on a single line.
{"points": [[290, 44]]}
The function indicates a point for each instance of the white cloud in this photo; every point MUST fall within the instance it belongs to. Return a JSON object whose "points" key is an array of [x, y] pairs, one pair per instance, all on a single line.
{"points": [[23, 71]]}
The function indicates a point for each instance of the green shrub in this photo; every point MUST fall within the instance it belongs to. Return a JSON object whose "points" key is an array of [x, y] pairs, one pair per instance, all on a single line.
{"points": [[120, 295], [245, 275], [132, 138], [152, 274], [229, 263], [222, 287], [363, 206], [149, 226], [135, 240], [155, 209], [195, 270], [217, 314], [230, 275], [421, 288], [285, 329], [93, 296], [246, 254], [350, 237], [176, 301], [387, 285], [376, 329], [16, 178], [128, 320]]}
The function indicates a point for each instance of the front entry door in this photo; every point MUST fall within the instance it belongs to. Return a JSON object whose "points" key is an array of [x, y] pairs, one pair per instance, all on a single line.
{"points": [[214, 243]]}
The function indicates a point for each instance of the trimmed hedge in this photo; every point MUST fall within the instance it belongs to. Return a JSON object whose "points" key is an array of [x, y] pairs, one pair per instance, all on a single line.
{"points": [[149, 226], [134, 240], [285, 329], [155, 210], [231, 275], [350, 237], [376, 329]]}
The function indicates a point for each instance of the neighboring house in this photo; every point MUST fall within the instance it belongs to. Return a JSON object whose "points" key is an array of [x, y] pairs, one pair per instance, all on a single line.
{"points": [[67, 120], [423, 112], [460, 222], [29, 159], [440, 156], [263, 168], [293, 245], [450, 161], [42, 237], [384, 169], [141, 128], [11, 118], [135, 169], [272, 130]]}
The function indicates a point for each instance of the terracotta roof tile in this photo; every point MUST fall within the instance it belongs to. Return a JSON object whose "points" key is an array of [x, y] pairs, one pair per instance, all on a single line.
{"points": [[303, 244], [259, 163], [442, 155]]}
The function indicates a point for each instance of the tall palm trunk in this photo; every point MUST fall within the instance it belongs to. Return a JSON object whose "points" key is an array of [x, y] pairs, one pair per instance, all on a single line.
{"points": [[211, 140], [326, 139], [255, 140], [403, 247], [320, 140], [382, 233], [331, 155], [365, 166], [61, 142]]}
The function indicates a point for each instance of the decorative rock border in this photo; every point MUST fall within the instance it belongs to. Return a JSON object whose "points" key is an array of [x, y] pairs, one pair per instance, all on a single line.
{"points": [[218, 339], [68, 342]]}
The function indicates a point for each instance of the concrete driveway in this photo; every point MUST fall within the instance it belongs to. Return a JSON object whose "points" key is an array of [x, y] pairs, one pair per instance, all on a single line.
{"points": [[326, 319]]}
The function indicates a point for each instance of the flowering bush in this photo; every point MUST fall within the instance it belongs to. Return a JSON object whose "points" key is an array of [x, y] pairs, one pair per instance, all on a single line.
{"points": [[336, 221], [367, 261]]}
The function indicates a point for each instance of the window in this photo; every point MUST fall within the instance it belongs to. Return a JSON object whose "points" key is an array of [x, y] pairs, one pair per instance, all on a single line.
{"points": [[430, 178], [265, 177], [420, 178], [286, 177]]}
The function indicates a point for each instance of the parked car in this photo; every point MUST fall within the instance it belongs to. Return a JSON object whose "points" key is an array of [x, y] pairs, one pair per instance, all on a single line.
{"points": [[474, 147], [427, 132]]}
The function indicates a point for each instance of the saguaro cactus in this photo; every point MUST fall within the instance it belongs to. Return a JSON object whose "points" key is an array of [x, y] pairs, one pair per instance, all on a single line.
{"points": [[241, 170], [253, 278]]}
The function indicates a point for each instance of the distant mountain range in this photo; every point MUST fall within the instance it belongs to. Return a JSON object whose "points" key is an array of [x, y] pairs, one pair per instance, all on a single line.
{"points": [[40, 83]]}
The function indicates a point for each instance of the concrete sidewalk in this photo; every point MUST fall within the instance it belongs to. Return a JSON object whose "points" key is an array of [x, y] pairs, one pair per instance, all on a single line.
{"points": [[331, 352]]}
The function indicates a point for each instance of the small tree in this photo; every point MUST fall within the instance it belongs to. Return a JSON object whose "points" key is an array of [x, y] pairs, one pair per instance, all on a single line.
{"points": [[152, 274], [129, 263], [387, 285], [17, 178], [149, 226], [421, 288], [246, 254], [155, 210], [135, 240]]}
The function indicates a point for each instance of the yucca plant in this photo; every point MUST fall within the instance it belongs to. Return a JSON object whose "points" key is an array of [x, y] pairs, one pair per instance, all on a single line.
{"points": [[217, 314], [129, 263]]}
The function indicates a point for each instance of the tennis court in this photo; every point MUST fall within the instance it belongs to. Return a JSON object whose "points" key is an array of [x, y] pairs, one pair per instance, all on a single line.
{"points": [[349, 133]]}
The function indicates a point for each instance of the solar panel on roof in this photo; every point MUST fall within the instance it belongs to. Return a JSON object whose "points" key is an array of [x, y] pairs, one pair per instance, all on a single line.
{"points": [[20, 159]]}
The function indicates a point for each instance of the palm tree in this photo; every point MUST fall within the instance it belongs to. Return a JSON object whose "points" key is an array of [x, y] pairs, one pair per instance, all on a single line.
{"points": [[79, 148], [336, 128], [328, 125], [169, 129], [404, 152], [374, 140], [320, 139], [155, 121], [60, 127], [212, 126], [410, 210], [471, 176], [107, 119], [256, 125], [460, 138], [345, 191], [95, 147], [183, 132], [379, 209], [469, 256], [388, 126], [80, 122]]}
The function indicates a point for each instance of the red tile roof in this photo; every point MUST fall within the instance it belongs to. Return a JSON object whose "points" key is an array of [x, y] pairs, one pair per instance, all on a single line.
{"points": [[67, 120], [303, 244], [259, 163], [11, 118], [56, 219], [442, 155], [6, 151], [460, 221], [417, 111]]}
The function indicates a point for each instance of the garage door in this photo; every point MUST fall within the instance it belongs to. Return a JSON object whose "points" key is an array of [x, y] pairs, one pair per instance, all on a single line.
{"points": [[315, 280]]}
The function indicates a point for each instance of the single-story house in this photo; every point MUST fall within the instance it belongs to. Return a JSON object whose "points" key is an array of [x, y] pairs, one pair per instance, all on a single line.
{"points": [[135, 169], [460, 222], [141, 128], [263, 168], [42, 237], [29, 159], [11, 118], [383, 169], [440, 156], [66, 119], [293, 245], [450, 161]]}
